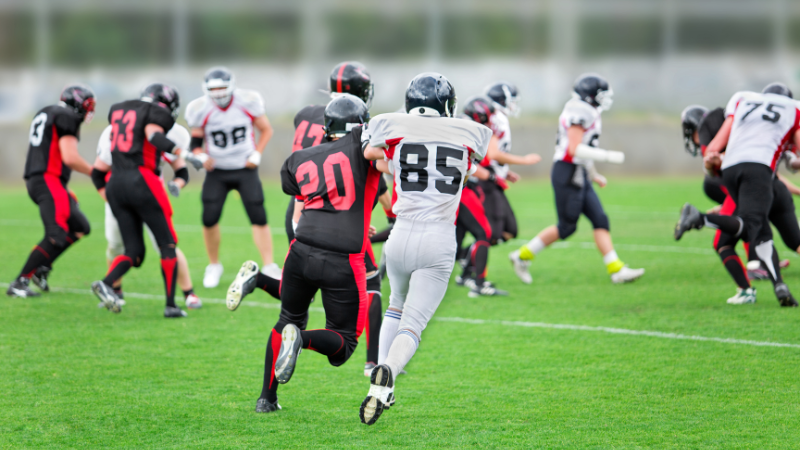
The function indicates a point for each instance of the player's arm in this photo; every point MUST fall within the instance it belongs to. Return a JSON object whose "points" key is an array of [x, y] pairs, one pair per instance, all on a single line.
{"points": [[373, 153], [198, 158], [265, 131], [69, 154], [789, 185], [720, 141], [98, 175], [576, 148], [181, 178], [298, 211], [794, 161], [494, 153]]}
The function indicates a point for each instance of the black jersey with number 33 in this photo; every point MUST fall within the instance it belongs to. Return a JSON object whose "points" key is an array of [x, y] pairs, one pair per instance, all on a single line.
{"points": [[130, 148], [338, 186], [49, 125]]}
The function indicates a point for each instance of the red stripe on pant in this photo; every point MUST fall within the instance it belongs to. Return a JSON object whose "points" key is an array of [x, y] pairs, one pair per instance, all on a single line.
{"points": [[117, 261], [470, 201], [728, 208], [360, 273], [275, 342], [60, 200], [168, 266], [157, 188]]}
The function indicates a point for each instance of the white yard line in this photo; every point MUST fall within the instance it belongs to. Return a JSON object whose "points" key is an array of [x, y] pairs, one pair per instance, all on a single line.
{"points": [[554, 326]]}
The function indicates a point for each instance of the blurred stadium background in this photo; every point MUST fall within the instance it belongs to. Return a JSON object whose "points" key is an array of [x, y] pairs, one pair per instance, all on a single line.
{"points": [[659, 55]]}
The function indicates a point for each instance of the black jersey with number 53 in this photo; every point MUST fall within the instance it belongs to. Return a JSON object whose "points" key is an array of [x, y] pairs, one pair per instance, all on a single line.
{"points": [[130, 148], [338, 186], [49, 125]]}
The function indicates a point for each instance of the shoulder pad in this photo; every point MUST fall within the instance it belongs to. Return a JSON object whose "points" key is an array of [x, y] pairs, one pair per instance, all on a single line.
{"points": [[196, 111], [249, 100]]}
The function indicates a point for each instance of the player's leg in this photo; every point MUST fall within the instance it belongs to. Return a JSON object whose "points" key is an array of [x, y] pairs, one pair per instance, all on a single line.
{"points": [[725, 245], [40, 255], [714, 189], [252, 193], [492, 209], [114, 247], [510, 229], [399, 277], [472, 215], [374, 320], [191, 299], [782, 216], [215, 191], [130, 225]]}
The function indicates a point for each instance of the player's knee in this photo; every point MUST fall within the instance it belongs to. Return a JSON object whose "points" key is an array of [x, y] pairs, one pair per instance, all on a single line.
{"points": [[396, 303], [168, 251], [566, 229], [601, 223], [344, 353], [256, 213], [211, 214]]}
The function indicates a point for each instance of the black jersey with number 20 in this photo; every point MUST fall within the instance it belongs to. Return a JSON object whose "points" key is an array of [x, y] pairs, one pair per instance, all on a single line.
{"points": [[130, 148], [338, 186]]}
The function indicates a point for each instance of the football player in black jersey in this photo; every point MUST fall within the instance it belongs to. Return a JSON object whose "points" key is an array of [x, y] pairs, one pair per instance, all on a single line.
{"points": [[135, 192], [52, 156], [338, 187]]}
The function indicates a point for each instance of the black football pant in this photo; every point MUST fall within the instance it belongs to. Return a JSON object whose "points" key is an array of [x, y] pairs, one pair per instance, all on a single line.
{"points": [[219, 182], [62, 219], [574, 196], [137, 197], [714, 188], [287, 221], [472, 218], [502, 220], [342, 280]]}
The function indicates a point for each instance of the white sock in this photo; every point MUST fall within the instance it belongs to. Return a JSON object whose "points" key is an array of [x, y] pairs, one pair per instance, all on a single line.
{"points": [[403, 348], [536, 245], [391, 320], [610, 257]]}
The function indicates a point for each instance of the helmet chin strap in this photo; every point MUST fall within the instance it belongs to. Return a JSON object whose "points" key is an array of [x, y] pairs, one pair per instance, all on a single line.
{"points": [[424, 111]]}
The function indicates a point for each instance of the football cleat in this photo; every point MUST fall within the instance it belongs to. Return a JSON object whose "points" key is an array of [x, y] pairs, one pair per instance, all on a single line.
{"points": [[20, 288], [368, 368], [193, 301], [465, 281], [272, 271], [212, 275], [757, 274], [626, 275], [743, 296], [784, 296], [264, 406], [107, 296], [172, 312], [486, 290], [120, 298], [291, 346], [243, 285], [690, 218], [521, 267], [381, 394], [39, 278]]}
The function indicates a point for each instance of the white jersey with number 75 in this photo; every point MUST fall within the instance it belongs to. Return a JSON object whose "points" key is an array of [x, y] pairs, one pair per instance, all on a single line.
{"points": [[429, 157]]}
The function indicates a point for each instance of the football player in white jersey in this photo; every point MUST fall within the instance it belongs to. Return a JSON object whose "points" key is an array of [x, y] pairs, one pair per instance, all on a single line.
{"points": [[573, 173], [223, 123], [180, 136], [757, 128], [430, 155]]}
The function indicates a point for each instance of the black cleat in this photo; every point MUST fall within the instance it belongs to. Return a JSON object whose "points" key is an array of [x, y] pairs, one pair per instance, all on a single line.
{"points": [[39, 278], [172, 312], [690, 218], [784, 296], [291, 345], [106, 295], [380, 396], [20, 288], [264, 406]]}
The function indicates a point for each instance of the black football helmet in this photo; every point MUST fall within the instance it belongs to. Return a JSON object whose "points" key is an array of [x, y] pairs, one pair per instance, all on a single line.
{"points": [[505, 97], [163, 94], [342, 114], [429, 94], [777, 88], [479, 109], [594, 90], [690, 122], [218, 84], [80, 99], [351, 77]]}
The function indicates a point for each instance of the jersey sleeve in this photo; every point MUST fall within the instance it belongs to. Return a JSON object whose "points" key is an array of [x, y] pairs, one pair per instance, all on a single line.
{"points": [[482, 138], [733, 103], [250, 101], [579, 113], [67, 125], [377, 132], [195, 112], [160, 116], [180, 136], [288, 181], [104, 146]]}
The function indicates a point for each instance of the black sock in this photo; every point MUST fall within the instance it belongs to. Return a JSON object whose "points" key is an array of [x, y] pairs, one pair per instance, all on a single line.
{"points": [[373, 330], [41, 255], [480, 258], [732, 225], [188, 293], [734, 266], [269, 284], [269, 390]]}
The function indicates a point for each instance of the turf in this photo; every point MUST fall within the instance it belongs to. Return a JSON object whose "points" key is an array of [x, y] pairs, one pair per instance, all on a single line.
{"points": [[75, 376]]}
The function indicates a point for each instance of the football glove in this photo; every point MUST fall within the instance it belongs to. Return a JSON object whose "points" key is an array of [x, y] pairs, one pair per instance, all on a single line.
{"points": [[173, 188], [196, 159]]}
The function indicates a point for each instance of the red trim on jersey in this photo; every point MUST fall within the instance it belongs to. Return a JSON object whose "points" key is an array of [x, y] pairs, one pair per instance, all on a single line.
{"points": [[339, 78], [149, 157], [168, 266], [734, 109], [252, 117], [60, 199], [157, 188], [390, 145], [394, 200], [205, 120], [54, 163], [370, 192], [360, 274], [473, 204], [275, 342], [469, 156], [221, 108], [785, 139]]}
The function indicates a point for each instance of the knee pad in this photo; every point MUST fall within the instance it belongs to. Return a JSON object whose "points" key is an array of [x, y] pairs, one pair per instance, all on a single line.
{"points": [[211, 213], [60, 238], [256, 213], [168, 252], [602, 223], [138, 259], [566, 230]]}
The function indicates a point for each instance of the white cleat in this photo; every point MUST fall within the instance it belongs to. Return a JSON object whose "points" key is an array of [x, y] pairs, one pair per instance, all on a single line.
{"points": [[520, 267], [212, 275], [291, 346], [272, 271], [243, 284], [193, 302], [380, 396], [626, 275], [743, 296]]}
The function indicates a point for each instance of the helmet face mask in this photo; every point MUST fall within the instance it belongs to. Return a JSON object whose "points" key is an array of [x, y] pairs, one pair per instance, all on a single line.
{"points": [[505, 98], [605, 99], [594, 90], [218, 84], [479, 109]]}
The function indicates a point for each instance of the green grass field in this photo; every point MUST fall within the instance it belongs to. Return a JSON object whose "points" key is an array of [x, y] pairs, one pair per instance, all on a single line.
{"points": [[75, 376]]}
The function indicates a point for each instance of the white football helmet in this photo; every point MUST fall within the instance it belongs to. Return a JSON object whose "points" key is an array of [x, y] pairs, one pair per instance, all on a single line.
{"points": [[218, 84]]}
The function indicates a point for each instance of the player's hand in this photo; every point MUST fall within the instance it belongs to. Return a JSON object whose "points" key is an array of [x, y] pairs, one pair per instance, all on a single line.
{"points": [[250, 165], [791, 161], [209, 164], [600, 180], [531, 159], [512, 177], [195, 159], [715, 210], [372, 231], [174, 188], [102, 192]]}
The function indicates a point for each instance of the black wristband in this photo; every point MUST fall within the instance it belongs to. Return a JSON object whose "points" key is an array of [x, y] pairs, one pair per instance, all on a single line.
{"points": [[183, 174], [196, 142], [162, 143], [98, 178]]}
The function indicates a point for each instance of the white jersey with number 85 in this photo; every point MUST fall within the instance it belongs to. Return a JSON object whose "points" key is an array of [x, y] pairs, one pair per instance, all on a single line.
{"points": [[429, 158], [762, 124]]}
